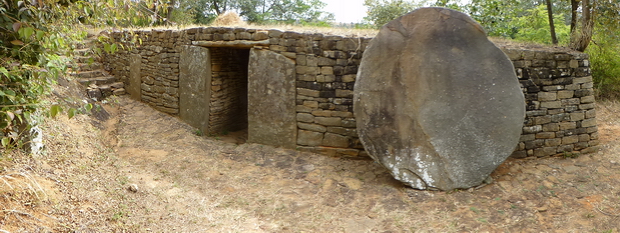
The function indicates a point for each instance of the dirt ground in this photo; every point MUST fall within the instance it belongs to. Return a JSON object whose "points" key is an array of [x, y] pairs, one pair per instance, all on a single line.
{"points": [[139, 170]]}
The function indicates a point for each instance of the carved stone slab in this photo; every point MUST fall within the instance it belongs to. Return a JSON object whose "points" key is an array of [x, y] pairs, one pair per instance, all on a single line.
{"points": [[436, 102]]}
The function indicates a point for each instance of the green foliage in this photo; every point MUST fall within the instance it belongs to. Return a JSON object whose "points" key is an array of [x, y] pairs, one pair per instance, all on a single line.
{"points": [[29, 64], [305, 12], [605, 64], [534, 27], [381, 12]]}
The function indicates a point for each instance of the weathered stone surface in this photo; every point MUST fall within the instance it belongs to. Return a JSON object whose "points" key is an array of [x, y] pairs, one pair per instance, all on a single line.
{"points": [[436, 102], [135, 64], [195, 86], [271, 99]]}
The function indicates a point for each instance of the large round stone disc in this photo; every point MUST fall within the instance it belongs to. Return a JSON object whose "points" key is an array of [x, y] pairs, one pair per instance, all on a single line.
{"points": [[436, 102]]}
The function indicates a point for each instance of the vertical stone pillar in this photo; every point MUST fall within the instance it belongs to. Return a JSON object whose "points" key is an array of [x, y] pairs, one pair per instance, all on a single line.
{"points": [[271, 99], [195, 86], [133, 87]]}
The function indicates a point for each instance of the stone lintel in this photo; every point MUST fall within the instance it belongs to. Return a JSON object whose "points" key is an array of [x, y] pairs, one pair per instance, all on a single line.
{"points": [[231, 44]]}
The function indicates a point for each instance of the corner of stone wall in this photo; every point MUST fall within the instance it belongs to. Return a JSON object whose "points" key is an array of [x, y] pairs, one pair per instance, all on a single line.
{"points": [[560, 114]]}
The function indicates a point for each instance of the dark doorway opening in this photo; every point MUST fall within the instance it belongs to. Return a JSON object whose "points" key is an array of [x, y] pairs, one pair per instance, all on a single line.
{"points": [[228, 115]]}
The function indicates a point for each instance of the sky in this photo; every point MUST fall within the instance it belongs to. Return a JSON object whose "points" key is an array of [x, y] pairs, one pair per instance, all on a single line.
{"points": [[346, 11], [351, 11]]}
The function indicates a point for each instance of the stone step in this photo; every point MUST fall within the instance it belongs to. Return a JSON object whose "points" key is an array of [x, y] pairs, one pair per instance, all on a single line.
{"points": [[86, 44], [89, 73], [97, 81], [85, 59], [86, 66], [86, 52]]}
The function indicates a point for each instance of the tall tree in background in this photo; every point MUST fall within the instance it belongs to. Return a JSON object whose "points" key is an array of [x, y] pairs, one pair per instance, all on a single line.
{"points": [[381, 12], [581, 37], [261, 11], [554, 38]]}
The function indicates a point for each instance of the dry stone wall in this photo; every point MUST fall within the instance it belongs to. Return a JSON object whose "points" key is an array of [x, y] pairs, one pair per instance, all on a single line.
{"points": [[559, 92], [557, 85], [229, 84]]}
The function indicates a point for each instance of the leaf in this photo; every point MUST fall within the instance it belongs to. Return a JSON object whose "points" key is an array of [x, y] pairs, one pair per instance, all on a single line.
{"points": [[88, 107], [40, 34], [54, 110], [5, 141], [11, 115], [71, 113], [17, 42], [16, 26], [4, 71]]}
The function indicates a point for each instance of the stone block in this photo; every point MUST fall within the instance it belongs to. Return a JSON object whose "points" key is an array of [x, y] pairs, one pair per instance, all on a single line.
{"points": [[326, 70], [311, 104], [551, 127], [328, 121], [565, 94], [342, 131], [305, 117], [570, 139], [594, 136], [532, 129], [348, 78], [545, 135], [344, 93], [547, 96], [307, 92], [309, 138], [326, 78], [335, 140], [587, 106], [542, 120], [568, 125], [566, 148], [322, 113], [527, 137], [551, 104], [545, 151], [582, 80], [577, 116], [588, 122], [553, 142], [587, 99], [312, 127], [584, 137]]}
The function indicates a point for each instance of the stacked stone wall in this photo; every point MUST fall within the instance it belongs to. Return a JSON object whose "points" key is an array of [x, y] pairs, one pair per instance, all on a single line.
{"points": [[556, 83], [229, 88], [560, 116]]}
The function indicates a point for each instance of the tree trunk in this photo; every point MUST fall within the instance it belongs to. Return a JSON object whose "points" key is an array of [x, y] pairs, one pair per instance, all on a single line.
{"points": [[169, 13], [216, 7], [581, 39], [554, 38], [573, 14]]}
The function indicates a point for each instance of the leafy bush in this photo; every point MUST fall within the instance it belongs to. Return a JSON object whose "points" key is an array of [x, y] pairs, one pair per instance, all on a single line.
{"points": [[605, 64], [534, 27]]}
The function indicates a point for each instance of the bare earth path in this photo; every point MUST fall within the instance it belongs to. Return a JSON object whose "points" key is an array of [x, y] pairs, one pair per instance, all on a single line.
{"points": [[189, 183], [145, 171]]}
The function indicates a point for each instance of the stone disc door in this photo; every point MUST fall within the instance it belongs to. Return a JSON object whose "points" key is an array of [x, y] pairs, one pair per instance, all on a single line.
{"points": [[271, 99]]}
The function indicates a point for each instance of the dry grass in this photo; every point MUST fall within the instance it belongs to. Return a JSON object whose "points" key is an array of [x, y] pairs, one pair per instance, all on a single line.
{"points": [[228, 19]]}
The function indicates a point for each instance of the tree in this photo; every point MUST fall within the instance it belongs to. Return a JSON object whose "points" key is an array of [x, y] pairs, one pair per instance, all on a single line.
{"points": [[262, 11], [381, 12], [554, 38], [580, 39]]}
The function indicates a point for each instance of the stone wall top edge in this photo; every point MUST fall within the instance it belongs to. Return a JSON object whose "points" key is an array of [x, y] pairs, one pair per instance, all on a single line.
{"points": [[506, 46], [277, 33]]}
